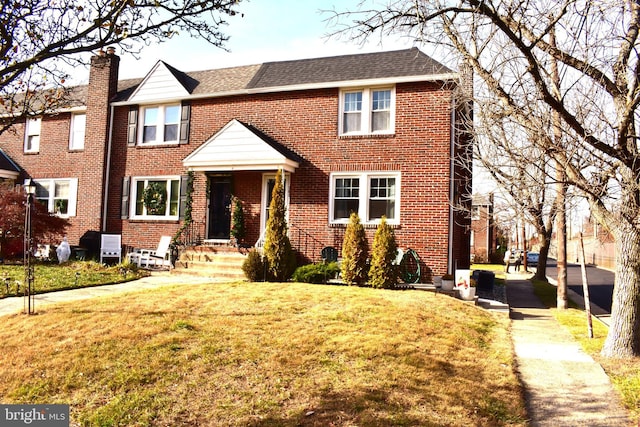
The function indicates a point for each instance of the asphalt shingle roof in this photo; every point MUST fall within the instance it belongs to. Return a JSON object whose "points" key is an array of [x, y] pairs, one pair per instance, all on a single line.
{"points": [[399, 63], [379, 65]]}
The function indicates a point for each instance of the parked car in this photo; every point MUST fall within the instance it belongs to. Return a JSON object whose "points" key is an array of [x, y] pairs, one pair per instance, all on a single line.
{"points": [[532, 259]]}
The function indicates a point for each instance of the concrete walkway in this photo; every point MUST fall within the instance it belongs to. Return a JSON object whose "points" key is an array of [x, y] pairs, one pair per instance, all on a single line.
{"points": [[15, 305], [564, 385]]}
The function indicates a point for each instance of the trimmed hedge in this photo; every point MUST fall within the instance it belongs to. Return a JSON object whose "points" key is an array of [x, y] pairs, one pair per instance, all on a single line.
{"points": [[316, 273]]}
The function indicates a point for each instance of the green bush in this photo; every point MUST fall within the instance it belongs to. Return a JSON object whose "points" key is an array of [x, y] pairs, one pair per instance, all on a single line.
{"points": [[281, 259], [253, 267], [354, 252], [315, 273], [383, 272]]}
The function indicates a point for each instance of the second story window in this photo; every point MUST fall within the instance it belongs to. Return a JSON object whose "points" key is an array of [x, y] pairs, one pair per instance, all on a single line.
{"points": [[367, 111], [160, 124], [76, 137], [32, 136]]}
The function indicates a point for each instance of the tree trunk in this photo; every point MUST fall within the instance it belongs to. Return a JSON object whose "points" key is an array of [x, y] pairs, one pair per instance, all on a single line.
{"points": [[541, 269], [623, 339]]}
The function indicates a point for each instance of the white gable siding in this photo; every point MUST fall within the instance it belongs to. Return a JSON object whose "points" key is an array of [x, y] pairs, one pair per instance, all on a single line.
{"points": [[237, 148], [159, 85]]}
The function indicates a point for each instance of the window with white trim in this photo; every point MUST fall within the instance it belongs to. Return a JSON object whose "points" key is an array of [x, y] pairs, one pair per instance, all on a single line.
{"points": [[78, 126], [369, 194], [32, 135], [160, 124], [367, 111], [58, 195], [155, 197]]}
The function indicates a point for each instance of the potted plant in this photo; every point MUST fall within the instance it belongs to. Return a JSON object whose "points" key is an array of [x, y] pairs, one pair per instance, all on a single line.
{"points": [[467, 290], [447, 282]]}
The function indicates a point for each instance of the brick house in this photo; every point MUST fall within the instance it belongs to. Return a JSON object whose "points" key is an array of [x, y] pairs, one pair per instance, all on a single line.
{"points": [[377, 133]]}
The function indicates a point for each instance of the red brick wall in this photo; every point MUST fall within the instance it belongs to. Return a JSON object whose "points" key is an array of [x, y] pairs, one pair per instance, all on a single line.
{"points": [[54, 160], [306, 122]]}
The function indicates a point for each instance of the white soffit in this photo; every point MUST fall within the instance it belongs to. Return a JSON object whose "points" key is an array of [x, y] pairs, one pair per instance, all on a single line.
{"points": [[158, 86], [236, 147]]}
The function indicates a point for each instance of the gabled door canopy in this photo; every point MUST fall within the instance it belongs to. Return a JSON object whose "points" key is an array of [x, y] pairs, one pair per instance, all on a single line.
{"points": [[238, 146]]}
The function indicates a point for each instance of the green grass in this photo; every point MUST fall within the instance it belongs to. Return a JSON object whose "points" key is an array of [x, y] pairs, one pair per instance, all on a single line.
{"points": [[624, 374], [267, 354], [55, 277]]}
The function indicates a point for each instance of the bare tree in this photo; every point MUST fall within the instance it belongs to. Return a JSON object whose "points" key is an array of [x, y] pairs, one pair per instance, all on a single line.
{"points": [[521, 170], [509, 45], [41, 40]]}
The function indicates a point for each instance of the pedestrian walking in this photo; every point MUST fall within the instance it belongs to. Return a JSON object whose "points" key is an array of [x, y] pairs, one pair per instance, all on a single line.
{"points": [[518, 261], [507, 258]]}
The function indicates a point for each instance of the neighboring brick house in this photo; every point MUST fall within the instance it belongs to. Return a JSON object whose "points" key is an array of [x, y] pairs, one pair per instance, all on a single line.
{"points": [[377, 133], [483, 233]]}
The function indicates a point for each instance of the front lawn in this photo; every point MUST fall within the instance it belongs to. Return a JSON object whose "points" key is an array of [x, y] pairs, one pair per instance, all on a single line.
{"points": [[56, 277], [266, 354]]}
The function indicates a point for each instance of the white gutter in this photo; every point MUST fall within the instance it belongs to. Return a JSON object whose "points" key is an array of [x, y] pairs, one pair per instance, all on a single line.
{"points": [[107, 172], [450, 265]]}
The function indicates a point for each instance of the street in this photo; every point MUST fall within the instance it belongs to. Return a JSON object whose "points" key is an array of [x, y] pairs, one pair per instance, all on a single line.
{"points": [[600, 282]]}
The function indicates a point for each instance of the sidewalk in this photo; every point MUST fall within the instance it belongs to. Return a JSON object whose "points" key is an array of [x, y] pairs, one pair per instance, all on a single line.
{"points": [[564, 385]]}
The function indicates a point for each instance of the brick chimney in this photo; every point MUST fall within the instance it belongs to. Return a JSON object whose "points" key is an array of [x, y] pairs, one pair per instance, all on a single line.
{"points": [[102, 87]]}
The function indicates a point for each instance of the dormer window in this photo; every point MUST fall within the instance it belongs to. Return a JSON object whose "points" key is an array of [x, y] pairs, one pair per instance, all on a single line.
{"points": [[367, 111], [161, 124]]}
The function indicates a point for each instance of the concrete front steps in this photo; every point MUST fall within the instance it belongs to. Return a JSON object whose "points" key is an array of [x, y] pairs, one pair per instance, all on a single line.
{"points": [[218, 262]]}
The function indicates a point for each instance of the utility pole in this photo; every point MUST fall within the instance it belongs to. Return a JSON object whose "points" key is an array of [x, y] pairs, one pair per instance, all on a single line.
{"points": [[561, 191]]}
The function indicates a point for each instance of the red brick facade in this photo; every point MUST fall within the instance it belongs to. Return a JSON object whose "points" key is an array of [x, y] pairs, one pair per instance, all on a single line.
{"points": [[304, 121]]}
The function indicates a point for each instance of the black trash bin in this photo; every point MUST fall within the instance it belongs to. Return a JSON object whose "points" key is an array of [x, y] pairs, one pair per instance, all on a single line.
{"points": [[484, 280], [90, 241]]}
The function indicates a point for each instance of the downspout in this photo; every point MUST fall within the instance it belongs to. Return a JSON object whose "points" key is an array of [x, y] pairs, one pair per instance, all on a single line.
{"points": [[107, 173], [450, 265]]}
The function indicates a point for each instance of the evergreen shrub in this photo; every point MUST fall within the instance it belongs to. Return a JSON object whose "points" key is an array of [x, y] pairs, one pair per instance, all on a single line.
{"points": [[383, 272], [315, 273], [253, 267]]}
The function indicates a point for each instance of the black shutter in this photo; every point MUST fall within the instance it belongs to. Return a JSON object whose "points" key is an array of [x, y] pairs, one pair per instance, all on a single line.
{"points": [[184, 123], [133, 126], [124, 206], [184, 179]]}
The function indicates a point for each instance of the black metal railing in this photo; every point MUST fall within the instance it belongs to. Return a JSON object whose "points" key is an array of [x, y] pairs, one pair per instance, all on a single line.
{"points": [[192, 234], [305, 243]]}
